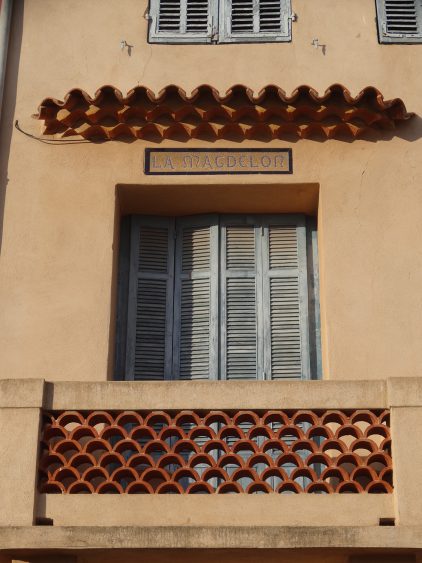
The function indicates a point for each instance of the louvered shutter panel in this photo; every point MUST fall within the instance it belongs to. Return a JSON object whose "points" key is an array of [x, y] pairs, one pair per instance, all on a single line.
{"points": [[195, 340], [399, 21], [255, 20], [240, 299], [150, 303], [183, 21], [285, 295]]}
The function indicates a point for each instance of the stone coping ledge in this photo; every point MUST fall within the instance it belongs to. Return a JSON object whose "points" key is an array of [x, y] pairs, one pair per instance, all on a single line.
{"points": [[216, 510], [94, 537], [179, 395]]}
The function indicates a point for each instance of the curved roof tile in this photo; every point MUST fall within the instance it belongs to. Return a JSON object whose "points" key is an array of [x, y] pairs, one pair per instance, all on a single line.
{"points": [[206, 114]]}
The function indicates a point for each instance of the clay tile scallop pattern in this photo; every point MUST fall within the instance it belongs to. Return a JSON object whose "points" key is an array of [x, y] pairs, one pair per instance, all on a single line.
{"points": [[190, 452], [208, 115]]}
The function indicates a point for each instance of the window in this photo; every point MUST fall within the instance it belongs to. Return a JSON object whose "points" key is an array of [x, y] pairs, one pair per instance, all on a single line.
{"points": [[219, 297], [399, 21], [219, 21]]}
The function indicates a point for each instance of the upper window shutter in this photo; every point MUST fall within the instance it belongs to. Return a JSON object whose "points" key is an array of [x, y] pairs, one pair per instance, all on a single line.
{"points": [[183, 21], [150, 302], [195, 340], [399, 21], [255, 20], [285, 295], [240, 299]]}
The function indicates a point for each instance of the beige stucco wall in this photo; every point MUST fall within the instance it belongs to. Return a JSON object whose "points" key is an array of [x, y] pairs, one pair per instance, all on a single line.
{"points": [[59, 234]]}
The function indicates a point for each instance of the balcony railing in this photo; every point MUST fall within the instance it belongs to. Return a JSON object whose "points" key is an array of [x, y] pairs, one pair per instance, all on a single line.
{"points": [[205, 452], [171, 454]]}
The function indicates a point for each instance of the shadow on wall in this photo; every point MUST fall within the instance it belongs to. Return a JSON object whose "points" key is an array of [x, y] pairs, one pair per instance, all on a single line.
{"points": [[9, 102]]}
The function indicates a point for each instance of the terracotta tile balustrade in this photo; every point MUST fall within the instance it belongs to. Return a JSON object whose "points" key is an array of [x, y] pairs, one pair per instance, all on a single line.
{"points": [[194, 452]]}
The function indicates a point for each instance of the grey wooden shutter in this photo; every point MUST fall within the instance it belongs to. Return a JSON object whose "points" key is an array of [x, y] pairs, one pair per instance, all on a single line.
{"points": [[195, 340], [183, 21], [285, 296], [399, 21], [240, 299], [150, 303], [255, 21]]}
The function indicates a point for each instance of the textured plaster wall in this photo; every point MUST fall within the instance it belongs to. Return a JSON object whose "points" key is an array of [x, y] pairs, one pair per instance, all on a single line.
{"points": [[59, 235]]}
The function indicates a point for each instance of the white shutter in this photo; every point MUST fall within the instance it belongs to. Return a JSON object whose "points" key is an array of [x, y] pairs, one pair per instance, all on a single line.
{"points": [[285, 289], [240, 299], [399, 21], [195, 339], [150, 302], [183, 21], [255, 21]]}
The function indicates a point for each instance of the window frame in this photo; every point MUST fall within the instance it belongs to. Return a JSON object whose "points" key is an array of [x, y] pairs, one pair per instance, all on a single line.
{"points": [[386, 38], [123, 371], [157, 36], [227, 36], [219, 26]]}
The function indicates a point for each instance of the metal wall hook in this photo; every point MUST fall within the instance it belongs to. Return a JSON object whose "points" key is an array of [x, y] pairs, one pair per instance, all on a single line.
{"points": [[124, 44]]}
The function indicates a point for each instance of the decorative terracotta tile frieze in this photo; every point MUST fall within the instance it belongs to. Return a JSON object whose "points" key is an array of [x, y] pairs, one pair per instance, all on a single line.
{"points": [[192, 452], [208, 115]]}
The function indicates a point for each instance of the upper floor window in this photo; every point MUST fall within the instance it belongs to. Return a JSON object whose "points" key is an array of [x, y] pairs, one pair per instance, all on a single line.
{"points": [[219, 297], [219, 21], [399, 21]]}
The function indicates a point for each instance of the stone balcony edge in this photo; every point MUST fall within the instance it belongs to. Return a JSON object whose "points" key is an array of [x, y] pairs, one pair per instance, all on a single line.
{"points": [[178, 395], [229, 537]]}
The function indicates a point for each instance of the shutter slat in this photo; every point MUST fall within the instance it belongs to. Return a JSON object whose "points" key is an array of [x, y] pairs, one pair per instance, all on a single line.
{"points": [[285, 298], [401, 17], [169, 15], [240, 247], [196, 249], [183, 21], [150, 312], [283, 246], [269, 15], [255, 20], [196, 298], [153, 249], [285, 345], [239, 359], [400, 21], [194, 340], [197, 16], [285, 328], [242, 16]]}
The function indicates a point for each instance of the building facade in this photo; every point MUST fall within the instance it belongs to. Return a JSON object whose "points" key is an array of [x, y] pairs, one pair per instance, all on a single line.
{"points": [[210, 281]]}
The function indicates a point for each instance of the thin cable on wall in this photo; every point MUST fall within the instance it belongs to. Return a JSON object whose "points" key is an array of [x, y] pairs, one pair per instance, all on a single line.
{"points": [[57, 141]]}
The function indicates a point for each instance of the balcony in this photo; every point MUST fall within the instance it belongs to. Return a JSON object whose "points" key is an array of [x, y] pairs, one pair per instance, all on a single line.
{"points": [[223, 458]]}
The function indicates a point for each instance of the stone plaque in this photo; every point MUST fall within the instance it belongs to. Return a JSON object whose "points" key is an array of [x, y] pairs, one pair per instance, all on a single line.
{"points": [[218, 161]]}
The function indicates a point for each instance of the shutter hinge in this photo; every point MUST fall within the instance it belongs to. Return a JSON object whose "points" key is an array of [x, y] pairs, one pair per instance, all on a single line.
{"points": [[292, 16]]}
